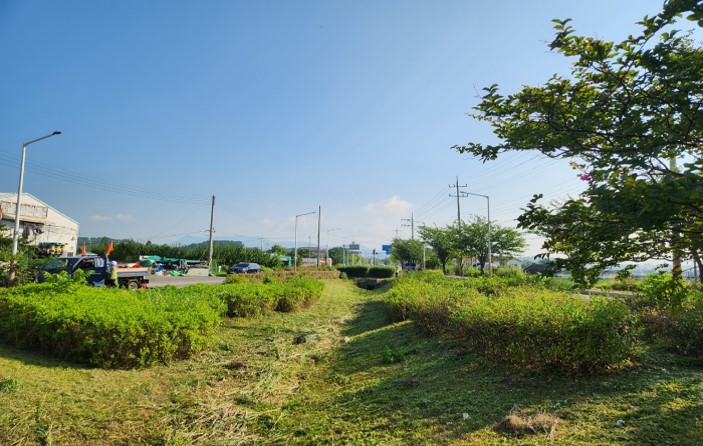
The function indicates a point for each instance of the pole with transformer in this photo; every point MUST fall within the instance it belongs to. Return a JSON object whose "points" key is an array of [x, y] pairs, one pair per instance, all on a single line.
{"points": [[212, 232]]}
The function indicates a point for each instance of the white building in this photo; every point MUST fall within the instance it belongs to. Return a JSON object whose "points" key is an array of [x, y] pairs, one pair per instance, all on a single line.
{"points": [[39, 223]]}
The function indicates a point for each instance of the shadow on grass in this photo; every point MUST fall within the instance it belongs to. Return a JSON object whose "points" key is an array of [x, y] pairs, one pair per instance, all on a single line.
{"points": [[37, 358], [371, 315], [396, 383]]}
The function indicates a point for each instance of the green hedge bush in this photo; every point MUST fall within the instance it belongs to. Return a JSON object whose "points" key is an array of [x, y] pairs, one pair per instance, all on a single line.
{"points": [[255, 299], [685, 335], [283, 275], [354, 271], [110, 328], [362, 271], [519, 325]]}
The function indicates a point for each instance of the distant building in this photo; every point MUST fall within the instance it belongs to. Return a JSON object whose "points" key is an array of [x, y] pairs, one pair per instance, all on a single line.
{"points": [[41, 224]]}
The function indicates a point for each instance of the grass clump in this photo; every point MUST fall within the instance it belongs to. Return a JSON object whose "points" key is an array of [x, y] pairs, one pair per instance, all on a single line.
{"points": [[542, 423]]}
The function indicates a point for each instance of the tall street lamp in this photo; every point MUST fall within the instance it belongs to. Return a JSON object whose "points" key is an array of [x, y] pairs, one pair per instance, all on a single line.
{"points": [[15, 234], [295, 249], [488, 203]]}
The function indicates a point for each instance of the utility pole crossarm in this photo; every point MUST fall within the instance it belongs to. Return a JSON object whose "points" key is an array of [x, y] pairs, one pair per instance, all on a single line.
{"points": [[458, 195]]}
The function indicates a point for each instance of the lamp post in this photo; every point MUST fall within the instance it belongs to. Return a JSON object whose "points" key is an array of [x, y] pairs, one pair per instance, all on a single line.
{"points": [[327, 243], [295, 249], [15, 234], [488, 203]]}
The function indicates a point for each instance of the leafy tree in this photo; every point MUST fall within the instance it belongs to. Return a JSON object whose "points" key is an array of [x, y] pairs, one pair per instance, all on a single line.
{"points": [[337, 255], [406, 250], [279, 250], [625, 111], [26, 261], [471, 240], [440, 239]]}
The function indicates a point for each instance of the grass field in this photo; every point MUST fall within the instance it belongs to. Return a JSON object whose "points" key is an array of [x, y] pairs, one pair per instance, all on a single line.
{"points": [[341, 373]]}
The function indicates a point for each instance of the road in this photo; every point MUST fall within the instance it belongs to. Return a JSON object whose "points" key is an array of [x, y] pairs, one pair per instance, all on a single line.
{"points": [[181, 281]]}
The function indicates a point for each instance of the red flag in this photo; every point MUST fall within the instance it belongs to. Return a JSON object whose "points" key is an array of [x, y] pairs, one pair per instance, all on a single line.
{"points": [[83, 250], [109, 249]]}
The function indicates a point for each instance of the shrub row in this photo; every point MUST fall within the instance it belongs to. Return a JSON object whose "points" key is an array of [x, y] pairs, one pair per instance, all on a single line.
{"points": [[524, 326], [251, 299], [283, 275], [108, 327], [361, 271], [115, 328]]}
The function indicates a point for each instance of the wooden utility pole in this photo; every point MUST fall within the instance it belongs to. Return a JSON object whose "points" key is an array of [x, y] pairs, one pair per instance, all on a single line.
{"points": [[212, 232], [458, 195], [412, 225], [319, 220]]}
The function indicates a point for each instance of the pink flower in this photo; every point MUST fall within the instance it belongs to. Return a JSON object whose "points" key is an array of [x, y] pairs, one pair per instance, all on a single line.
{"points": [[586, 176]]}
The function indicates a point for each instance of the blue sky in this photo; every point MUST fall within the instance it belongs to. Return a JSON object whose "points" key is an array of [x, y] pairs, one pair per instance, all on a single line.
{"points": [[276, 107]]}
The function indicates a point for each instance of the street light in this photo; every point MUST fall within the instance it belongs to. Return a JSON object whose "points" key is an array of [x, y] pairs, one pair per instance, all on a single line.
{"points": [[327, 243], [488, 203], [11, 275], [295, 249]]}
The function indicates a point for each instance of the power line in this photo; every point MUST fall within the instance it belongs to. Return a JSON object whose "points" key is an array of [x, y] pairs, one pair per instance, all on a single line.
{"points": [[82, 180]]}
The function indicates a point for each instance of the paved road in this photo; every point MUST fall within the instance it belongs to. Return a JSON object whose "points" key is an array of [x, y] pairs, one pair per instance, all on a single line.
{"points": [[157, 281]]}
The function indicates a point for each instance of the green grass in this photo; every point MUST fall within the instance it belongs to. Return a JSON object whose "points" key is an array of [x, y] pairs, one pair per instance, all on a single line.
{"points": [[341, 373]]}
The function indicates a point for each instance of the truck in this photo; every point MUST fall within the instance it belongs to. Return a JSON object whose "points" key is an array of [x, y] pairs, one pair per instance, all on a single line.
{"points": [[96, 265]]}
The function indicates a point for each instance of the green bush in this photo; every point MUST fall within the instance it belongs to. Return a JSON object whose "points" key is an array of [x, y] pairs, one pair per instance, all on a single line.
{"points": [[520, 325], [284, 275], [663, 291], [354, 271], [108, 327], [251, 299], [381, 272], [685, 334], [545, 330]]}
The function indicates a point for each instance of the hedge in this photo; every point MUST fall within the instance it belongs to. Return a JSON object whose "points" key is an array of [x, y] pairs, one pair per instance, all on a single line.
{"points": [[361, 271], [283, 275], [251, 299], [108, 327], [523, 326], [116, 328]]}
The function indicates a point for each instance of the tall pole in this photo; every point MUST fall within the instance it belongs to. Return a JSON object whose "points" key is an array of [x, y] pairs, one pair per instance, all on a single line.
{"points": [[458, 195], [319, 220], [295, 243], [412, 225], [212, 231], [15, 233]]}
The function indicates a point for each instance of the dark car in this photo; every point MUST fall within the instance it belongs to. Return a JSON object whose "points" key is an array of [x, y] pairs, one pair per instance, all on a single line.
{"points": [[244, 268]]}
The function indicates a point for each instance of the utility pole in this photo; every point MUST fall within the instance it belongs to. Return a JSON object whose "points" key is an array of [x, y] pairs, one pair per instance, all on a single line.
{"points": [[319, 220], [458, 195], [411, 225], [212, 231]]}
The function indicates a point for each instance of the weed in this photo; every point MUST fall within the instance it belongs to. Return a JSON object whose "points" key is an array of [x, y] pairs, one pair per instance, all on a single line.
{"points": [[391, 356], [9, 385]]}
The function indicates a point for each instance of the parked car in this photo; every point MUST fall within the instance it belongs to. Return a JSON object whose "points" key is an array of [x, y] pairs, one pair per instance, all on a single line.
{"points": [[244, 268]]}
